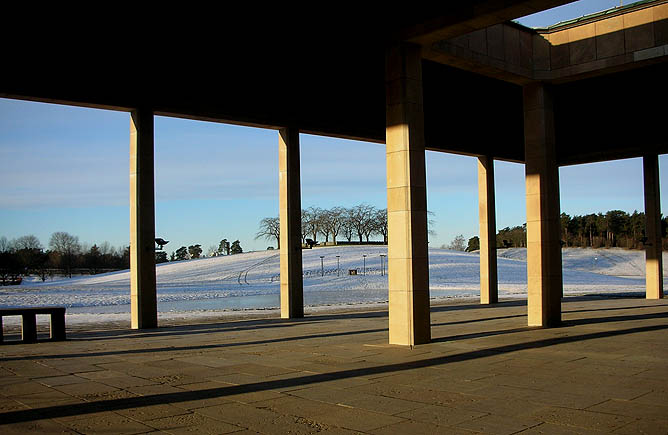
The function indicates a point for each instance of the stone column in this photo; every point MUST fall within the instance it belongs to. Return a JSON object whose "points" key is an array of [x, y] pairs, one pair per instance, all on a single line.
{"points": [[545, 284], [489, 287], [290, 212], [653, 248], [143, 300], [408, 267]]}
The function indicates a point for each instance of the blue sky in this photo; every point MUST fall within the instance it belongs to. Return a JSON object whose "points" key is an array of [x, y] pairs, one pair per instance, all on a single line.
{"points": [[66, 169]]}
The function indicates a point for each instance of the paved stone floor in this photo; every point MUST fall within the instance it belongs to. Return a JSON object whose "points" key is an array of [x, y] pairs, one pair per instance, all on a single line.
{"points": [[604, 371]]}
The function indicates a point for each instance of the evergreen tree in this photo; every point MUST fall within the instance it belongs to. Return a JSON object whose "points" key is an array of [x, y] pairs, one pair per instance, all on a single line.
{"points": [[224, 247], [515, 237], [565, 220], [236, 248], [160, 257], [182, 253], [195, 251], [10, 267], [125, 259], [93, 259]]}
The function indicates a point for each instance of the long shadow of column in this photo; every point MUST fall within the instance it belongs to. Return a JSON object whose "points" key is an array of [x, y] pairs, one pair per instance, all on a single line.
{"points": [[118, 404]]}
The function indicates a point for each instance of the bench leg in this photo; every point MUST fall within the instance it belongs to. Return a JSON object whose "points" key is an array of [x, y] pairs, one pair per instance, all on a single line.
{"points": [[29, 328], [58, 327], [1, 331]]}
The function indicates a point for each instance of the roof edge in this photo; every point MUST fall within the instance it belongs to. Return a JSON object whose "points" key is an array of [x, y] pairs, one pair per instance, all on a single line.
{"points": [[596, 16]]}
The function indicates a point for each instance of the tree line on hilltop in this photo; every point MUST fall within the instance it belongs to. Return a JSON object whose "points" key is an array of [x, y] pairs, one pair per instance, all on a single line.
{"points": [[615, 228], [67, 255], [359, 222], [195, 251]]}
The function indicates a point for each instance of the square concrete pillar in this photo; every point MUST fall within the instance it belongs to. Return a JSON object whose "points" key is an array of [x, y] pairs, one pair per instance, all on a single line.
{"points": [[408, 265], [143, 300], [545, 283], [653, 248], [489, 287], [290, 209]]}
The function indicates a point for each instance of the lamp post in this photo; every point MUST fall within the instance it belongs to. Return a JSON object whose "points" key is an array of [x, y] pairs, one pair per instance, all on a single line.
{"points": [[382, 266], [338, 257], [322, 266], [364, 257]]}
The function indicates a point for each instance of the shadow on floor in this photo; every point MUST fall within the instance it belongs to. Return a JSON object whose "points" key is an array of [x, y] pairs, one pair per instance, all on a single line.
{"points": [[573, 322], [242, 325], [170, 398]]}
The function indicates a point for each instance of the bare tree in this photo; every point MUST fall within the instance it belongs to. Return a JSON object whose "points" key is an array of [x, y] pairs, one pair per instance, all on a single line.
{"points": [[5, 245], [67, 246], [380, 220], [335, 221], [28, 249], [27, 242], [370, 227], [313, 221], [458, 243], [270, 228], [106, 248], [347, 224], [325, 226], [212, 251], [305, 228], [85, 247], [430, 224], [361, 217]]}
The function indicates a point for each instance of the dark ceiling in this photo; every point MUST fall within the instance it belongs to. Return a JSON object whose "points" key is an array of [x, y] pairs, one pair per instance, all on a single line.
{"points": [[321, 75]]}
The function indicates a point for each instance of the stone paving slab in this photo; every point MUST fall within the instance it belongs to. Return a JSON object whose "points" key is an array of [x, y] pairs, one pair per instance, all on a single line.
{"points": [[107, 422], [604, 371], [499, 425]]}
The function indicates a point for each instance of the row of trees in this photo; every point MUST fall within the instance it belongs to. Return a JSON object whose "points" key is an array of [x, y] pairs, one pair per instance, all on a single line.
{"points": [[509, 237], [26, 255], [360, 222], [195, 251], [65, 254], [615, 228]]}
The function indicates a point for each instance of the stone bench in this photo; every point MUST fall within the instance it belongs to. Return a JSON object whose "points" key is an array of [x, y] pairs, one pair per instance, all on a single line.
{"points": [[29, 323]]}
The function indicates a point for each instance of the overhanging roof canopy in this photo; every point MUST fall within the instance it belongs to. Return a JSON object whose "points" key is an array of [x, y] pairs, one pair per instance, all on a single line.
{"points": [[324, 74]]}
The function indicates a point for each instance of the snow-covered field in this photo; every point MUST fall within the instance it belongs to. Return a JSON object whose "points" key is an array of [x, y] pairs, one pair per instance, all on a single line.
{"points": [[249, 281]]}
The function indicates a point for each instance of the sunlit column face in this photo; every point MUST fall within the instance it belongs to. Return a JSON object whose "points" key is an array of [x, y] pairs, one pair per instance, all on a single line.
{"points": [[544, 279], [544, 276]]}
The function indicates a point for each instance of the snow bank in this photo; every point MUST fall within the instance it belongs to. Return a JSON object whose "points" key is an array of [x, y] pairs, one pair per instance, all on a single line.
{"points": [[250, 281]]}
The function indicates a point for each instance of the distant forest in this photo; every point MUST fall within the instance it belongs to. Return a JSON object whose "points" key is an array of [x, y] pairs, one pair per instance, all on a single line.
{"points": [[616, 228], [65, 256]]}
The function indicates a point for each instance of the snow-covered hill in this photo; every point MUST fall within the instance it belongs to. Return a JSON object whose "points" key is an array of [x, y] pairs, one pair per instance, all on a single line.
{"points": [[250, 280]]}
